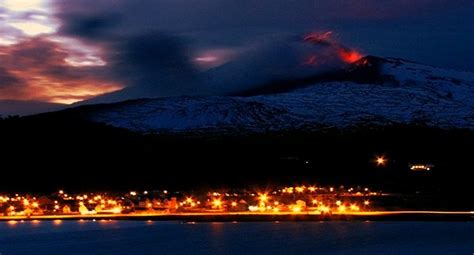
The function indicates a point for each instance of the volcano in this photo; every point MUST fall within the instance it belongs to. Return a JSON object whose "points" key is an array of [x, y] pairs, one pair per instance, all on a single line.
{"points": [[372, 91], [291, 130]]}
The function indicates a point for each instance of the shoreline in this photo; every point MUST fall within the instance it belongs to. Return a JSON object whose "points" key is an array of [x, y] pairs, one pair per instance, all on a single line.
{"points": [[261, 217]]}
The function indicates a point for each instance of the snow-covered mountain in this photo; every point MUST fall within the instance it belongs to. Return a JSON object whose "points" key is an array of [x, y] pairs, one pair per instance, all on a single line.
{"points": [[372, 91]]}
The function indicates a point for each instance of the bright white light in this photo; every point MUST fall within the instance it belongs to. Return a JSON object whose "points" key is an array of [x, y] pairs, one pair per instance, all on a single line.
{"points": [[24, 5], [80, 54], [206, 59], [7, 41], [38, 21], [84, 62], [33, 29]]}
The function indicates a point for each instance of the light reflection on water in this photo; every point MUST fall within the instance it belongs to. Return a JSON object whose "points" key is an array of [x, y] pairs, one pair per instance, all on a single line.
{"points": [[145, 237]]}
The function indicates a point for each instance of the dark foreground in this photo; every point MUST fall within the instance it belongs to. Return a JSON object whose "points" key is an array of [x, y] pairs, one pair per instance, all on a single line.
{"points": [[46, 153], [141, 237]]}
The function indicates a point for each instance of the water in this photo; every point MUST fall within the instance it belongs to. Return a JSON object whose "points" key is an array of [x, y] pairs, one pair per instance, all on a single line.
{"points": [[139, 237]]}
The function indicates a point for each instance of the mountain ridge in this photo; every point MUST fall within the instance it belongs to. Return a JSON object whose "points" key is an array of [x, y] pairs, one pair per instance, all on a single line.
{"points": [[372, 91]]}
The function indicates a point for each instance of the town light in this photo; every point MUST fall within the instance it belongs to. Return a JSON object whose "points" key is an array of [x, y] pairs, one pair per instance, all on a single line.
{"points": [[234, 204], [117, 210], [324, 208], [263, 198], [217, 203], [354, 207], [341, 208], [366, 202], [381, 161], [296, 209]]}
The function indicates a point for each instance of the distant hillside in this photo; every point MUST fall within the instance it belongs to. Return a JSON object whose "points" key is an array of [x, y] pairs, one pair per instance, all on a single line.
{"points": [[371, 92], [22, 108], [327, 130], [52, 151]]}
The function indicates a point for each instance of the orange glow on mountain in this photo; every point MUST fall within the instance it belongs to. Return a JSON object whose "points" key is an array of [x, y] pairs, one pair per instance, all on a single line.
{"points": [[349, 55]]}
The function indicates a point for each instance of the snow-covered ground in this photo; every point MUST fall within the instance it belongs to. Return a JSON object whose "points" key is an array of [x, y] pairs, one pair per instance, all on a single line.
{"points": [[412, 93]]}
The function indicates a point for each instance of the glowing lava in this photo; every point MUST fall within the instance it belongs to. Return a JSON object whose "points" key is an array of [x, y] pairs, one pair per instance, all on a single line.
{"points": [[347, 55]]}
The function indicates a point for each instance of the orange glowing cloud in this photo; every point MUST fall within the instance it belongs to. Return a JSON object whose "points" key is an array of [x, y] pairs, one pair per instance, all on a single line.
{"points": [[38, 69], [54, 90], [347, 55]]}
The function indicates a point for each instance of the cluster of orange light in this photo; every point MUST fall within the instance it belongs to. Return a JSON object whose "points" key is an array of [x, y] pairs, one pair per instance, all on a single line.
{"points": [[264, 202], [420, 167]]}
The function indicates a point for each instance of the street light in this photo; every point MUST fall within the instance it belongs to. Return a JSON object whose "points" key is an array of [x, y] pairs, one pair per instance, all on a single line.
{"points": [[381, 161], [217, 203], [263, 198]]}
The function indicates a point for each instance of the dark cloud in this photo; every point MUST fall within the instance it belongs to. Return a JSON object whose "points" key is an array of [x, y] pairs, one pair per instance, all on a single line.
{"points": [[159, 64], [7, 79], [413, 28], [89, 26], [154, 51], [44, 57], [45, 74], [188, 15], [153, 64], [246, 37]]}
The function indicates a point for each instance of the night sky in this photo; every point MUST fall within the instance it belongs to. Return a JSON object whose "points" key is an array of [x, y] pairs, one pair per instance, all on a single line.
{"points": [[67, 51]]}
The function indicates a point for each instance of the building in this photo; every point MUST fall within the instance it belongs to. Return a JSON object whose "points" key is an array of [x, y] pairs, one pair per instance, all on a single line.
{"points": [[421, 167]]}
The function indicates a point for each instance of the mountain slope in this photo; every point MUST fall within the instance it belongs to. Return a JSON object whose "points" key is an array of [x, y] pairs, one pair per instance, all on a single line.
{"points": [[17, 107], [289, 137], [372, 91]]}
